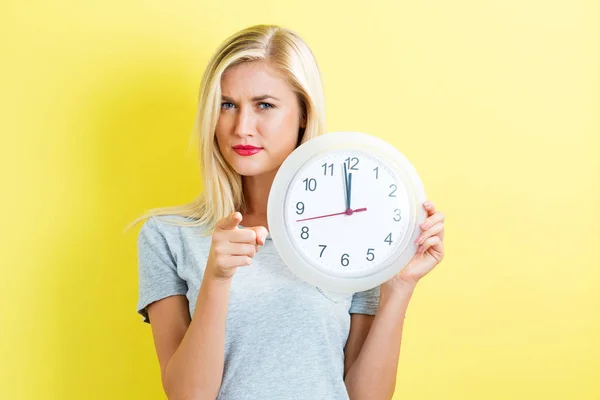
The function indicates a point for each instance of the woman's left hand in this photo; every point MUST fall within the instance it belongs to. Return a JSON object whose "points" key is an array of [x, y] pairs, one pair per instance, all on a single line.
{"points": [[429, 254]]}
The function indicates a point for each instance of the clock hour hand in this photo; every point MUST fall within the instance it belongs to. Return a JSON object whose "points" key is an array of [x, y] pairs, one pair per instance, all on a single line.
{"points": [[349, 190]]}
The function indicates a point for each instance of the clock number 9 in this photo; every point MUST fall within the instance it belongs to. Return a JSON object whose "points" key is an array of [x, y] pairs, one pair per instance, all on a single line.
{"points": [[304, 232], [345, 261], [299, 208]]}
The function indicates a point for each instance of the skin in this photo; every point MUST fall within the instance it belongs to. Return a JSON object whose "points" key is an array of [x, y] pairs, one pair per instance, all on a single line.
{"points": [[272, 123]]}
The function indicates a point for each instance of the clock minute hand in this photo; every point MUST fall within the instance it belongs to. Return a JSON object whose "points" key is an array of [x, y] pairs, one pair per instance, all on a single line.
{"points": [[346, 186]]}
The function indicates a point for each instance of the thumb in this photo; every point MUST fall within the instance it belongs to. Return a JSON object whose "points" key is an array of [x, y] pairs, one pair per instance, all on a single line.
{"points": [[261, 234], [229, 222]]}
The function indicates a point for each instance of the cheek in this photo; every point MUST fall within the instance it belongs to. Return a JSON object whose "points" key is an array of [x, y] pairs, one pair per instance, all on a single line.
{"points": [[221, 126], [222, 130], [283, 126]]}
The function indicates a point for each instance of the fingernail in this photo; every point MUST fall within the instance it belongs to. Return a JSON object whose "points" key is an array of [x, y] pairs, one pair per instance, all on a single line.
{"points": [[427, 204]]}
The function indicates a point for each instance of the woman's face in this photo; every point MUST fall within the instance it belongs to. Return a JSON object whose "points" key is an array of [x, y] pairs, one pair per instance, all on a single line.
{"points": [[258, 108]]}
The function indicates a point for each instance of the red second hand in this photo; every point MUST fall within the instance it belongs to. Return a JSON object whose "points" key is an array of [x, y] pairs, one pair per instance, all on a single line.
{"points": [[347, 212]]}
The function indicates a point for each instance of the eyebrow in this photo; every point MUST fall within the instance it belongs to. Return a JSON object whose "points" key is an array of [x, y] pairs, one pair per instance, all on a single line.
{"points": [[256, 98]]}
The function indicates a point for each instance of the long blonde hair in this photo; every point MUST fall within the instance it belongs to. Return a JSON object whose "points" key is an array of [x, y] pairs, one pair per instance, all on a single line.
{"points": [[284, 50]]}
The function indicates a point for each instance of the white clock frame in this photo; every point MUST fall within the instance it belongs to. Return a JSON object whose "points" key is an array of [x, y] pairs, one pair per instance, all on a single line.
{"points": [[304, 268]]}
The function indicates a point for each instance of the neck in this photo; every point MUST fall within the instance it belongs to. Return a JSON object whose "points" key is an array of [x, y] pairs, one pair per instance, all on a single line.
{"points": [[256, 193]]}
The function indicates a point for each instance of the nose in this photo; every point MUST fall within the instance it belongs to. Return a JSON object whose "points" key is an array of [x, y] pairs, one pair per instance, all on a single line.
{"points": [[245, 123]]}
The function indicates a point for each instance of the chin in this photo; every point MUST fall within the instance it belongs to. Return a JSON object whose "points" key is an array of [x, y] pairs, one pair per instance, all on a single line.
{"points": [[246, 168]]}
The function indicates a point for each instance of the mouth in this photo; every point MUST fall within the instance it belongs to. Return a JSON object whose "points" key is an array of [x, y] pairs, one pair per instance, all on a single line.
{"points": [[246, 150]]}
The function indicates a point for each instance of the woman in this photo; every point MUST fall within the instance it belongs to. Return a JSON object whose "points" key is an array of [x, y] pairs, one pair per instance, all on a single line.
{"points": [[229, 319]]}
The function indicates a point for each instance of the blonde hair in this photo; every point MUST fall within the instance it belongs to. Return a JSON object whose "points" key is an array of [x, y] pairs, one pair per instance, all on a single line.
{"points": [[287, 52]]}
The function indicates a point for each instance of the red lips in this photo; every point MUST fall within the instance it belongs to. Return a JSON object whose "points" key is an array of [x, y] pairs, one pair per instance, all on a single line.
{"points": [[246, 150], [246, 147]]}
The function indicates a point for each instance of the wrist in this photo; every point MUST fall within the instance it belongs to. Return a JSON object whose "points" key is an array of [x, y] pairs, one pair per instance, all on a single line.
{"points": [[216, 280], [397, 283], [395, 289], [393, 301]]}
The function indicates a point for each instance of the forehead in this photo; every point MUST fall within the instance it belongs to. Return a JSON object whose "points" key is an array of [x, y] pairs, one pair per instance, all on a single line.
{"points": [[253, 79]]}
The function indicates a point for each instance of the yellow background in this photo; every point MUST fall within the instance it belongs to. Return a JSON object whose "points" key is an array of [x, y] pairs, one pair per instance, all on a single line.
{"points": [[496, 103]]}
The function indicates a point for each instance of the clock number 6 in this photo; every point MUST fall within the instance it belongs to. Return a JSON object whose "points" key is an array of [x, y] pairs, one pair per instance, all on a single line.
{"points": [[345, 259]]}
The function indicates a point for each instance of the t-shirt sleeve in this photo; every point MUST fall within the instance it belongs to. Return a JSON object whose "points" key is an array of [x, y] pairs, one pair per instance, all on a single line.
{"points": [[157, 268], [365, 302]]}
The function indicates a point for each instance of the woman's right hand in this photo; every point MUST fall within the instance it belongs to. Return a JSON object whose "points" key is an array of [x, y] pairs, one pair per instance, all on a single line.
{"points": [[233, 247]]}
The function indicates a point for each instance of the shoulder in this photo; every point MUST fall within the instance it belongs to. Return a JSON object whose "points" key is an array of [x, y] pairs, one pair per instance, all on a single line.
{"points": [[170, 225], [170, 221], [171, 231]]}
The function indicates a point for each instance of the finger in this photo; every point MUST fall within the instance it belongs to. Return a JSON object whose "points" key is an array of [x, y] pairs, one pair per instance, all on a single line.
{"points": [[434, 230], [261, 234], [242, 235], [429, 207], [231, 222], [434, 244], [242, 249], [237, 261], [432, 220]]}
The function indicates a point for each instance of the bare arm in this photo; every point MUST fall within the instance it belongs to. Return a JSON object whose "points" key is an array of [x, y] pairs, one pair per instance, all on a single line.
{"points": [[360, 324], [372, 375], [191, 353]]}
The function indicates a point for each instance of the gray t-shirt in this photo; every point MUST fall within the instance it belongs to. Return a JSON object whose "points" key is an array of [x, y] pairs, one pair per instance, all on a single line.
{"points": [[285, 338]]}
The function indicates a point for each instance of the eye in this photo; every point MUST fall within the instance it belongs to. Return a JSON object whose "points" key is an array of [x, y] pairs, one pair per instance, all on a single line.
{"points": [[224, 103], [269, 105]]}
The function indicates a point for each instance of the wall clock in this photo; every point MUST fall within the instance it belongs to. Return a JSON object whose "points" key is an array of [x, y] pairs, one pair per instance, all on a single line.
{"points": [[344, 211]]}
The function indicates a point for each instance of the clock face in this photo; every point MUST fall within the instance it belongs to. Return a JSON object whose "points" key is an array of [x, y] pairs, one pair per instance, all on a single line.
{"points": [[342, 239]]}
